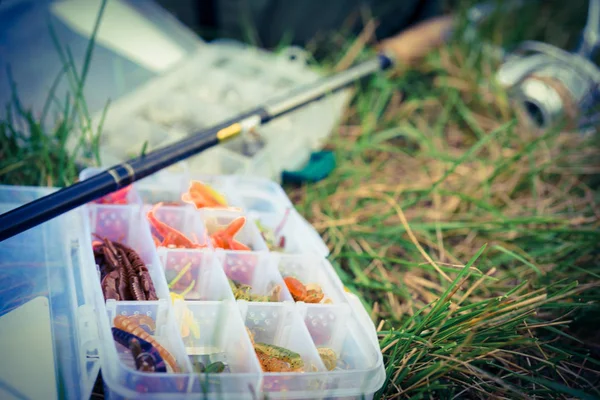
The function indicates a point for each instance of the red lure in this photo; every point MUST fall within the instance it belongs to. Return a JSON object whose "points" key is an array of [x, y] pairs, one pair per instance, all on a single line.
{"points": [[171, 237], [224, 238], [118, 197]]}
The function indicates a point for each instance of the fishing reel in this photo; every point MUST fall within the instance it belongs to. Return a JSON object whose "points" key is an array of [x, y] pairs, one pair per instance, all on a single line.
{"points": [[549, 84]]}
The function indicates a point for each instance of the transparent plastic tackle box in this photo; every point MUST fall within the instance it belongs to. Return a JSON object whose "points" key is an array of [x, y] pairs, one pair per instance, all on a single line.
{"points": [[204, 321], [217, 82]]}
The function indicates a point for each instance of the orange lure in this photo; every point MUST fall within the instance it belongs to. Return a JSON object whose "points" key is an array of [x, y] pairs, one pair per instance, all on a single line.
{"points": [[272, 364], [131, 326], [296, 288], [201, 196], [171, 237], [305, 293], [224, 238]]}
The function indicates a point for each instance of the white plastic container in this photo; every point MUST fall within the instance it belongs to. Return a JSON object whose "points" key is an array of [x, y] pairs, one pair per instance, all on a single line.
{"points": [[217, 82], [203, 321]]}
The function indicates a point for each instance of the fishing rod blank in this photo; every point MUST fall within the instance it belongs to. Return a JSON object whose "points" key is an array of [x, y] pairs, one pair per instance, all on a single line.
{"points": [[45, 208]]}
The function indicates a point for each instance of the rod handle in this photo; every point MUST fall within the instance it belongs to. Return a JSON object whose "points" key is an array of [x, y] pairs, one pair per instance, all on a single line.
{"points": [[414, 43]]}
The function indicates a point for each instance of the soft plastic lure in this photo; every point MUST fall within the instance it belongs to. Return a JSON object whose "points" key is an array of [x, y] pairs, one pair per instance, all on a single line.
{"points": [[268, 236], [118, 197], [130, 325], [224, 238], [124, 275], [274, 358], [203, 196], [282, 354], [242, 292], [146, 357], [328, 357], [311, 293], [144, 320], [171, 237], [213, 368], [177, 284], [272, 364], [188, 323]]}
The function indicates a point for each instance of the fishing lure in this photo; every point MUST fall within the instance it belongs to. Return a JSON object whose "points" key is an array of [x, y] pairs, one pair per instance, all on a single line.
{"points": [[270, 350], [215, 368], [124, 276], [177, 284], [118, 197], [242, 292], [296, 288], [314, 294], [274, 358], [198, 366], [203, 196], [144, 320], [188, 323], [224, 238], [171, 237], [272, 364], [311, 293], [146, 357], [328, 357], [269, 237], [129, 325]]}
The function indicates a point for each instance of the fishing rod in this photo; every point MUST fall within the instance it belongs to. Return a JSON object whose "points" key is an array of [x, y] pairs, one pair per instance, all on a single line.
{"points": [[124, 174], [121, 175]]}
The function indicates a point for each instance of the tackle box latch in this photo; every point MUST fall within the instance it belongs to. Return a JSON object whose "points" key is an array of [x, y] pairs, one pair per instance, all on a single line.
{"points": [[89, 345]]}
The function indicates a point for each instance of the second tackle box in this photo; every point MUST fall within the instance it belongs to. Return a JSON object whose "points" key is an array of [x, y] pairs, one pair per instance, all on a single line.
{"points": [[185, 286]]}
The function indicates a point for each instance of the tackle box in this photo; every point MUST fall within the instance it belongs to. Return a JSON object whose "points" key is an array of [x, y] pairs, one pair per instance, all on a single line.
{"points": [[55, 261], [220, 80]]}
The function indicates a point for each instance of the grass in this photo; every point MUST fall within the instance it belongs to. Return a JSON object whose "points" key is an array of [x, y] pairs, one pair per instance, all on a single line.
{"points": [[33, 153], [471, 238]]}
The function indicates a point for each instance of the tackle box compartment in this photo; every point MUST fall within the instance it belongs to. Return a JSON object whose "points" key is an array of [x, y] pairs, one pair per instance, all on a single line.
{"points": [[197, 318]]}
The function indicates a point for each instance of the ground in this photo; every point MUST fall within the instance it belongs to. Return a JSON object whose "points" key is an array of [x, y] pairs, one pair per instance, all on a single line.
{"points": [[470, 237]]}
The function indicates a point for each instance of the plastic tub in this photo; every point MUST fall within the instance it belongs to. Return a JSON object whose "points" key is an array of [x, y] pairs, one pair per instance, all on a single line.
{"points": [[204, 313]]}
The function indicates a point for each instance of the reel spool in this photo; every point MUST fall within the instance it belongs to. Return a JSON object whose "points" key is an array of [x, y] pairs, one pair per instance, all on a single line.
{"points": [[547, 83], [550, 85]]}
